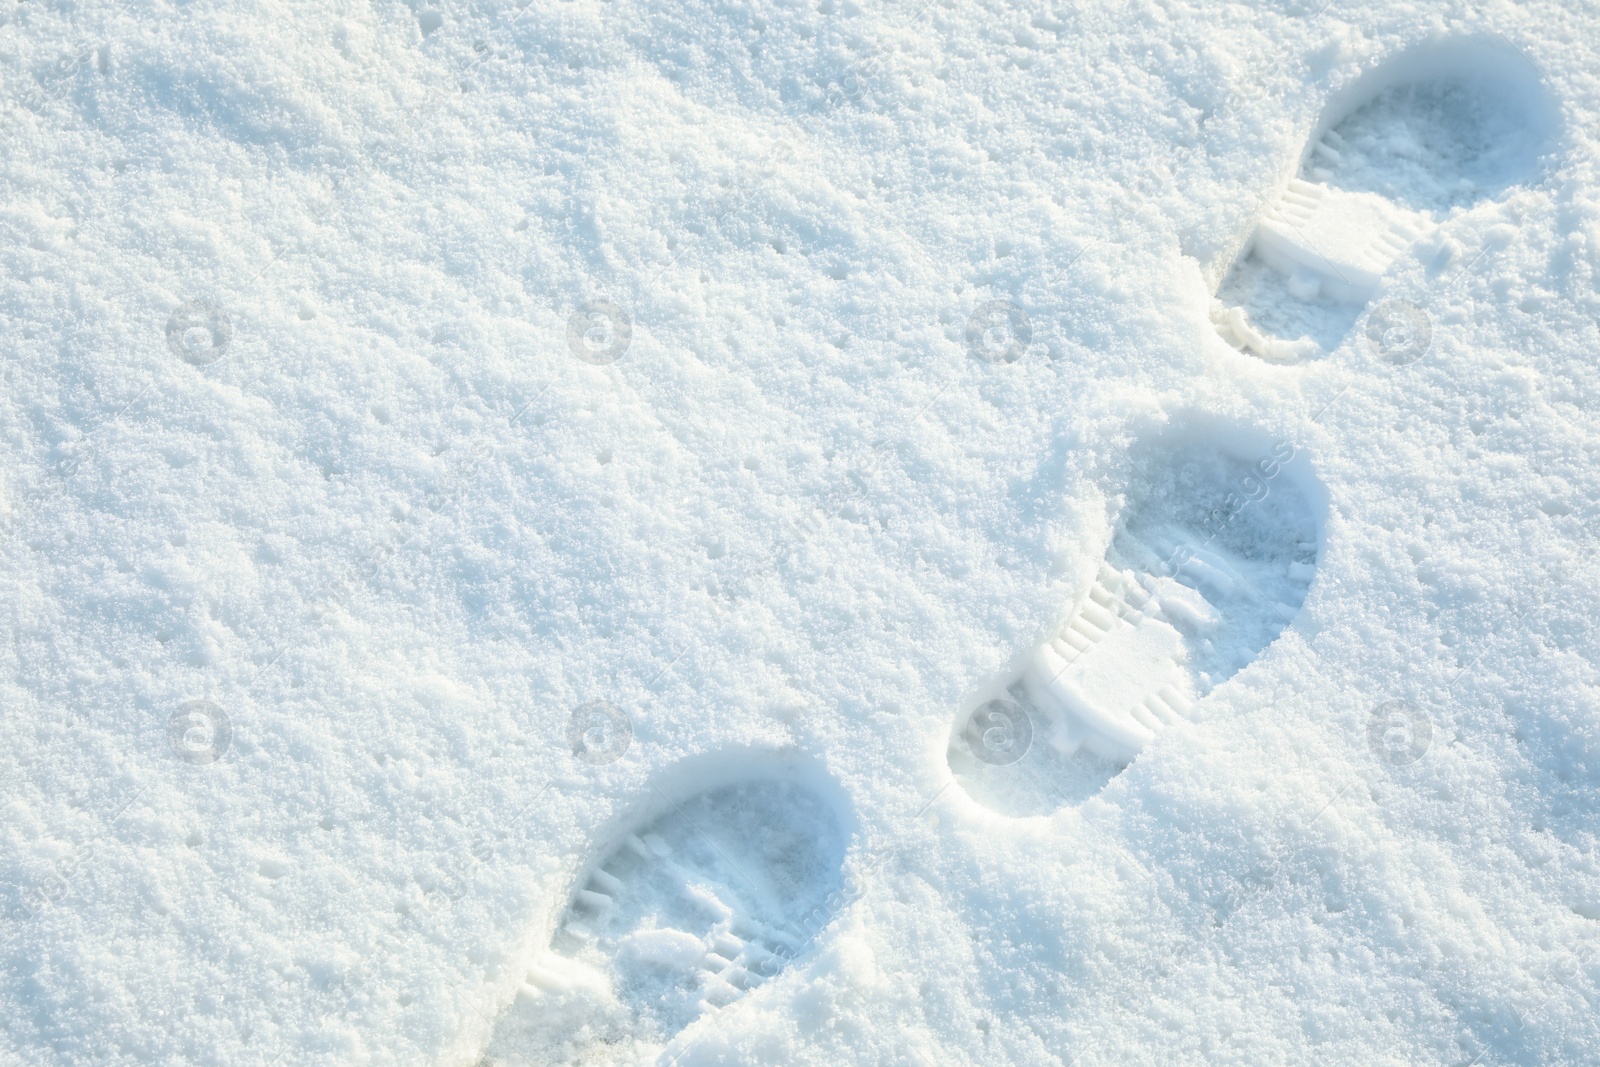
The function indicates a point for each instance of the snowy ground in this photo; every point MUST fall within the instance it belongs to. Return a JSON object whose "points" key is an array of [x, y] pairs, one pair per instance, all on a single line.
{"points": [[946, 533]]}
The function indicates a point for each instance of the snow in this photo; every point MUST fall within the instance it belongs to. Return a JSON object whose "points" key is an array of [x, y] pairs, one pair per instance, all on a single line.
{"points": [[538, 535]]}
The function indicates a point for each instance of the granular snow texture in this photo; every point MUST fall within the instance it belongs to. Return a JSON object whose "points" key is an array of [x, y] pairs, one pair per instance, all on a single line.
{"points": [[529, 535]]}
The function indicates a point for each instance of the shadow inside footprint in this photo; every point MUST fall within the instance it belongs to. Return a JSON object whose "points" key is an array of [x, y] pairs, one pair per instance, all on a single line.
{"points": [[1427, 134], [707, 900], [1212, 558]]}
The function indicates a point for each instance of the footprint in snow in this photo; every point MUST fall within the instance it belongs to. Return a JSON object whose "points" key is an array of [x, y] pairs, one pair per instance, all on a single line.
{"points": [[1213, 556], [1406, 147], [706, 898]]}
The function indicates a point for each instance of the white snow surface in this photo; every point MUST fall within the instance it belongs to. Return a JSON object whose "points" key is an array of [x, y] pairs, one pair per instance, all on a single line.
{"points": [[302, 470]]}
